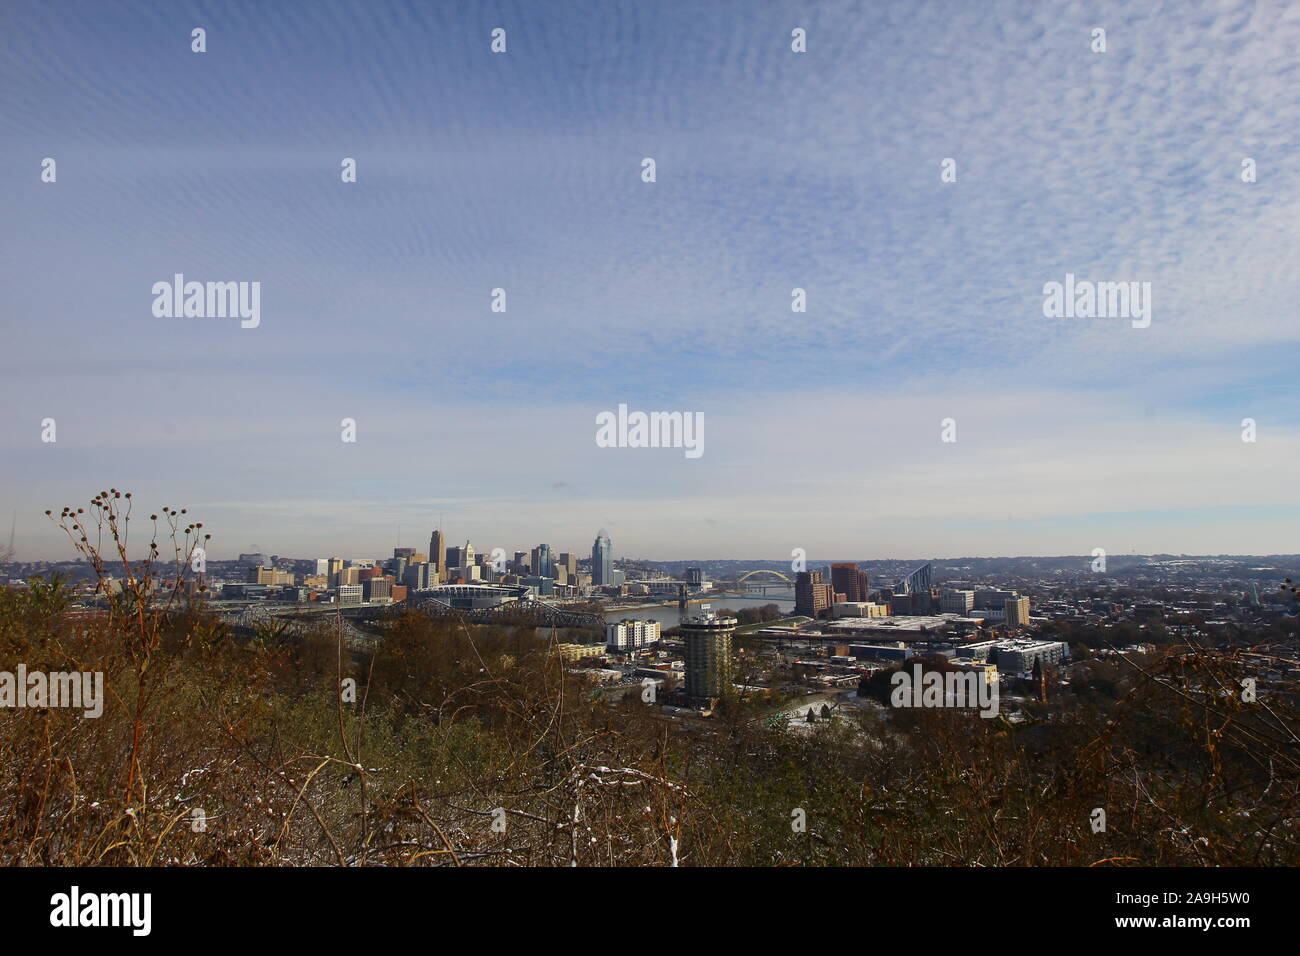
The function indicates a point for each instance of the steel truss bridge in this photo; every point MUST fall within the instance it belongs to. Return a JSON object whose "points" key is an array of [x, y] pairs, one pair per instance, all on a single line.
{"points": [[261, 620], [362, 624]]}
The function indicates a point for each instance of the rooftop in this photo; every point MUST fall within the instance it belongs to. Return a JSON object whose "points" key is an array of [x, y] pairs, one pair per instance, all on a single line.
{"points": [[912, 624]]}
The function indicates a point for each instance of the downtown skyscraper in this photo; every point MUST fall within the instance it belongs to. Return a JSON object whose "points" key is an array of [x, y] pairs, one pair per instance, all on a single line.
{"points": [[543, 561], [438, 555], [851, 581], [602, 560]]}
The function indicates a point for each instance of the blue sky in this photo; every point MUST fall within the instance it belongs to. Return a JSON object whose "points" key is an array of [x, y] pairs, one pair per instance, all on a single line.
{"points": [[775, 170]]}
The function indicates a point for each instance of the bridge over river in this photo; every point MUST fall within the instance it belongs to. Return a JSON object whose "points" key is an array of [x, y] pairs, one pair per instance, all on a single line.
{"points": [[760, 580]]}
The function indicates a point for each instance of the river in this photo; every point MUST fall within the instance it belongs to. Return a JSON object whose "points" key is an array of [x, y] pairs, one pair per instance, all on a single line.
{"points": [[669, 616]]}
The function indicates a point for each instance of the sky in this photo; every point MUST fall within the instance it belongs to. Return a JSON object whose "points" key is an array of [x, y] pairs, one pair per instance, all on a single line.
{"points": [[774, 170]]}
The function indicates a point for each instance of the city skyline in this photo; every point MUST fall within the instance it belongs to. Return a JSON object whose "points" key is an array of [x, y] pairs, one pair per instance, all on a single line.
{"points": [[830, 561], [776, 171], [649, 433]]}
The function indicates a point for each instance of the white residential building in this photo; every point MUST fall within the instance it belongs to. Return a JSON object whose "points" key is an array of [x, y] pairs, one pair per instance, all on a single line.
{"points": [[629, 635]]}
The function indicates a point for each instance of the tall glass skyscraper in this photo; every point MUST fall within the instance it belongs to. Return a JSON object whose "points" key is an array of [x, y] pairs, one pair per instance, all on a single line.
{"points": [[602, 560]]}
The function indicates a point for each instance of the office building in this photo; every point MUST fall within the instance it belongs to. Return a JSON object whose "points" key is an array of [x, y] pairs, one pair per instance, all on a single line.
{"points": [[602, 560], [438, 555], [543, 563], [569, 561], [957, 602], [858, 609], [922, 602], [419, 577], [269, 576], [992, 598], [334, 569], [1017, 611], [849, 580], [466, 575], [488, 569], [377, 589], [812, 598]]}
